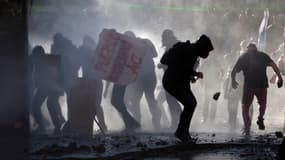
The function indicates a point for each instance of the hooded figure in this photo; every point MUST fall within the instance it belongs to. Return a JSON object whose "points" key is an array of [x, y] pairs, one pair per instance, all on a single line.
{"points": [[180, 61]]}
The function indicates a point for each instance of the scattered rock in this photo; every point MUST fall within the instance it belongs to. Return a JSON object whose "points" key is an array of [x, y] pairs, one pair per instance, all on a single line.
{"points": [[246, 155], [72, 146], [100, 149], [161, 143], [279, 134], [84, 148], [141, 145]]}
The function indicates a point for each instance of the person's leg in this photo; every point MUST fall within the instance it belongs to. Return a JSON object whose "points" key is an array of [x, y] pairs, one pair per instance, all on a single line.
{"points": [[232, 109], [133, 99], [68, 101], [38, 100], [261, 95], [189, 102], [160, 100], [54, 111], [247, 99], [213, 110], [55, 103], [149, 89], [251, 112], [184, 95], [206, 106], [98, 106], [117, 100], [174, 108], [230, 112]]}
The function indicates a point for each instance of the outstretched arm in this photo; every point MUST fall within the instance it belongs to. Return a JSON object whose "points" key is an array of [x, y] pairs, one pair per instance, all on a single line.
{"points": [[277, 71], [233, 76]]}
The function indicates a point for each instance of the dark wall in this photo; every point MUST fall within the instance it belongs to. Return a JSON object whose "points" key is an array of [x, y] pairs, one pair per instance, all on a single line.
{"points": [[14, 100]]}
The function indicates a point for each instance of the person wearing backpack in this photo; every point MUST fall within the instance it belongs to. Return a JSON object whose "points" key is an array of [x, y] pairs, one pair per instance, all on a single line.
{"points": [[180, 61]]}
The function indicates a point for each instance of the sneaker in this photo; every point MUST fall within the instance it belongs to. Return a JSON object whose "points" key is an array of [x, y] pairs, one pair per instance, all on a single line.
{"points": [[246, 132], [184, 137], [132, 127], [260, 124]]}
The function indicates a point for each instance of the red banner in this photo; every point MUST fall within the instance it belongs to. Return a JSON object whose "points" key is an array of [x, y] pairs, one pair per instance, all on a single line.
{"points": [[118, 57]]}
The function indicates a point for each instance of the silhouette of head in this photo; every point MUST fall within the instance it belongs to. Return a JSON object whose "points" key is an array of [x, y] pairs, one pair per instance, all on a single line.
{"points": [[248, 12], [38, 50], [58, 38], [205, 46], [251, 47], [130, 34], [88, 42], [168, 38]]}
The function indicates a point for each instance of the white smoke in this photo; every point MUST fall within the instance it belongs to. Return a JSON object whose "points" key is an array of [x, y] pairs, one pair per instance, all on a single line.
{"points": [[147, 19]]}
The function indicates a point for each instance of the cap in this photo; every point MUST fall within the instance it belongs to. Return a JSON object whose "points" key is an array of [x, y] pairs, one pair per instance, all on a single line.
{"points": [[167, 33]]}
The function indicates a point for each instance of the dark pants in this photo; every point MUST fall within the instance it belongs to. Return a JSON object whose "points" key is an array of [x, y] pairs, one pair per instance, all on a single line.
{"points": [[144, 85], [182, 92], [52, 105], [248, 95], [117, 100], [174, 109], [233, 104], [98, 106]]}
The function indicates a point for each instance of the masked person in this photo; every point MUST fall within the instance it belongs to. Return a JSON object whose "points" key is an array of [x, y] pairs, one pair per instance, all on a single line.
{"points": [[253, 63], [180, 61], [45, 71]]}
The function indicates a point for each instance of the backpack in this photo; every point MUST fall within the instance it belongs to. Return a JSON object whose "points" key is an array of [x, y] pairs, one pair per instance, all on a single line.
{"points": [[173, 55]]}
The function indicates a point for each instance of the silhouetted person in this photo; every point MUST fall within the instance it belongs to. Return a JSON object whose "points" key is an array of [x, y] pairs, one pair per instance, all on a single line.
{"points": [[233, 98], [168, 40], [253, 63], [180, 61], [69, 53], [69, 61], [46, 78], [87, 54], [145, 84], [117, 100]]}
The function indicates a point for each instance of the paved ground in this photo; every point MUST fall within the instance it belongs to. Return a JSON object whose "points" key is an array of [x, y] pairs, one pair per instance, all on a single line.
{"points": [[156, 146]]}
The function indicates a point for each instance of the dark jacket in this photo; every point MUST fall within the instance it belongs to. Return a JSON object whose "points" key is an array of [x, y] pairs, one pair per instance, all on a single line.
{"points": [[180, 59]]}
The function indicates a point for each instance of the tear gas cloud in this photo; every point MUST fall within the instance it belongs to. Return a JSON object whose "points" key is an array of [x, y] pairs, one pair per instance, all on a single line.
{"points": [[227, 22]]}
